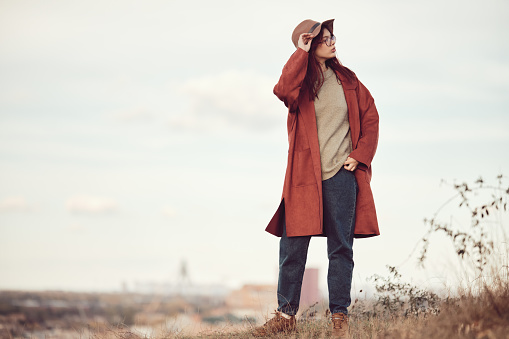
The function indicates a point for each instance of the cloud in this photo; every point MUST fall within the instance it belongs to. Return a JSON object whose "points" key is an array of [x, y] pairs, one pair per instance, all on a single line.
{"points": [[15, 204], [91, 205], [229, 100], [453, 88], [169, 211], [449, 130], [138, 114], [16, 95], [75, 227]]}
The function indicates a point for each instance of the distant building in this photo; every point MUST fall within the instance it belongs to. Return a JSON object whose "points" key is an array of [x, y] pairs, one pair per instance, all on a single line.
{"points": [[253, 300]]}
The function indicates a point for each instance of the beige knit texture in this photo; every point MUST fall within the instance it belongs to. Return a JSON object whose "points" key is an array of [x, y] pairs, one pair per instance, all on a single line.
{"points": [[332, 125]]}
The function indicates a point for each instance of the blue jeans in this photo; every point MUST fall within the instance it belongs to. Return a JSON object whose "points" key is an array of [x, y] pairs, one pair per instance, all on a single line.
{"points": [[339, 197]]}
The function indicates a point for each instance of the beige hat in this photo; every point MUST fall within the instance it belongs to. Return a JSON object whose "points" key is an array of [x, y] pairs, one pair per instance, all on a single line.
{"points": [[310, 26]]}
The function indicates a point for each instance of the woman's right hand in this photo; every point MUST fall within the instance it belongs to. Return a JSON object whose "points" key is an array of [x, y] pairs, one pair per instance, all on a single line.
{"points": [[305, 41]]}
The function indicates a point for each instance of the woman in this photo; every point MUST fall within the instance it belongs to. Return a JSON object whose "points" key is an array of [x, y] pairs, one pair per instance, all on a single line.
{"points": [[333, 135]]}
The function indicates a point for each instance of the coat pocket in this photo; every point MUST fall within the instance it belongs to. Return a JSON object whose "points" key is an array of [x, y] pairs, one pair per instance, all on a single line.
{"points": [[367, 175], [302, 173], [364, 173]]}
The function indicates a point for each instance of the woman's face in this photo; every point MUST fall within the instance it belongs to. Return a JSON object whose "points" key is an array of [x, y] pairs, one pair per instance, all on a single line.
{"points": [[324, 52]]}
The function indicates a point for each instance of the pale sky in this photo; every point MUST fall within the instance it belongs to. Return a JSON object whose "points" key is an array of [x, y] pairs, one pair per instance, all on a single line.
{"points": [[137, 134]]}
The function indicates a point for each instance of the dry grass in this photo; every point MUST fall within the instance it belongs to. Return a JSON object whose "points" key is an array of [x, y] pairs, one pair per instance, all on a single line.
{"points": [[484, 314]]}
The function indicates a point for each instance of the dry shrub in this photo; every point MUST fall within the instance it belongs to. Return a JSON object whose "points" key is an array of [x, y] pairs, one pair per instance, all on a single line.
{"points": [[483, 315], [474, 241], [395, 298]]}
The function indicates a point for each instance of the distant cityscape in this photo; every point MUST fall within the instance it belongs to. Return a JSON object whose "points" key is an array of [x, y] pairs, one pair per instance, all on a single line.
{"points": [[146, 309]]}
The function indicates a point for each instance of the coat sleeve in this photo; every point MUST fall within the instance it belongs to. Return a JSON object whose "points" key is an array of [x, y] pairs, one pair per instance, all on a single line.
{"points": [[288, 87], [368, 140]]}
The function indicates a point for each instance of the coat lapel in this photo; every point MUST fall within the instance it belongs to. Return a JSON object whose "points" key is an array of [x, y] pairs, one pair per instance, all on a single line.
{"points": [[353, 108], [307, 114]]}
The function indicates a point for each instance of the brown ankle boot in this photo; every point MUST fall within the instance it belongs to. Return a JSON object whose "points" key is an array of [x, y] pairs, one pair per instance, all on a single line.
{"points": [[276, 325], [340, 326]]}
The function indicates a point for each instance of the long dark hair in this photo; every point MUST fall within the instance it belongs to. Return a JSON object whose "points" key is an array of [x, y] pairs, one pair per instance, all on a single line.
{"points": [[314, 75]]}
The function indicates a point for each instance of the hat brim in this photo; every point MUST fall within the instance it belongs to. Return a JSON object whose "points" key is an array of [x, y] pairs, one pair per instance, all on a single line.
{"points": [[329, 24]]}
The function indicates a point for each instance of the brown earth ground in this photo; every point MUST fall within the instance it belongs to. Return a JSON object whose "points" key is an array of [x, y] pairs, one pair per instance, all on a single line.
{"points": [[485, 315]]}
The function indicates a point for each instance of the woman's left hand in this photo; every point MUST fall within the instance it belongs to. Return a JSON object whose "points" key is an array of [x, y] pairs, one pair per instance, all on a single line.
{"points": [[351, 164]]}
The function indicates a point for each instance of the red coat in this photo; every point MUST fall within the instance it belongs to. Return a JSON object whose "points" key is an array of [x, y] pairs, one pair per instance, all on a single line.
{"points": [[301, 203]]}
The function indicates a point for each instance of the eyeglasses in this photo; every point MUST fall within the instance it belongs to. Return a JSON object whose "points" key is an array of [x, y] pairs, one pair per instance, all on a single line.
{"points": [[329, 40]]}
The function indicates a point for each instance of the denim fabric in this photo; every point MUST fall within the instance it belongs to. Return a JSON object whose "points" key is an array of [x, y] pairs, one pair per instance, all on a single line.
{"points": [[339, 196]]}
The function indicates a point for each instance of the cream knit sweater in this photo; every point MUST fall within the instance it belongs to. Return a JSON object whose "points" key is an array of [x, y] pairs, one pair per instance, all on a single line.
{"points": [[332, 124]]}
